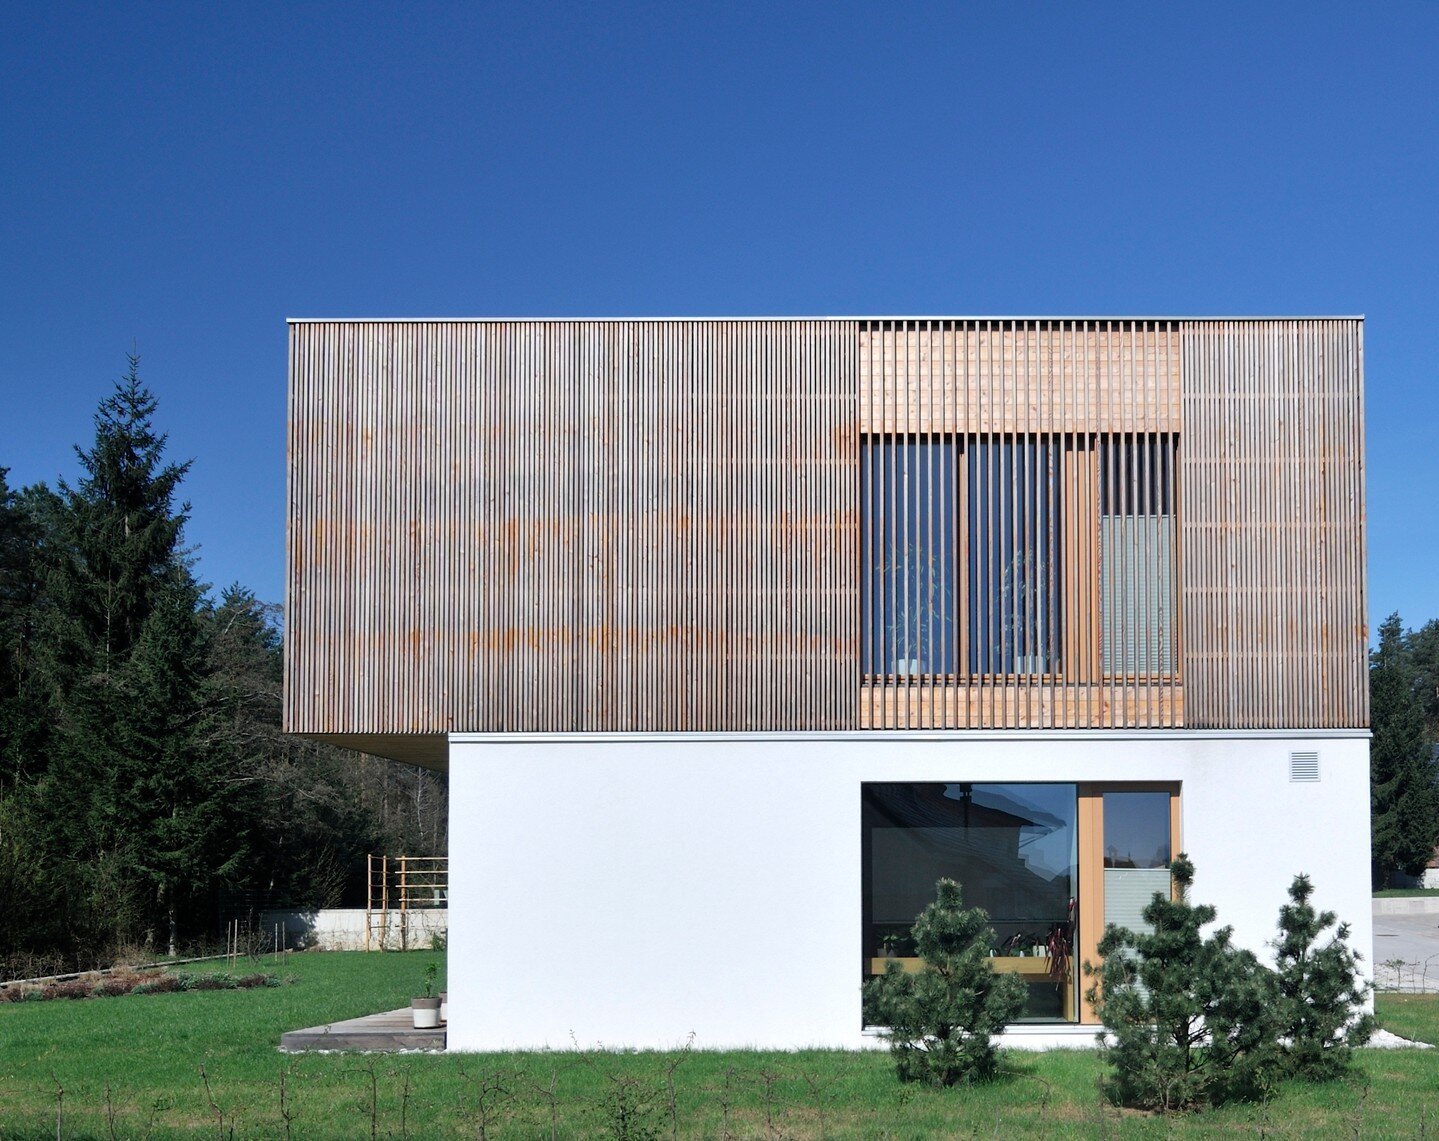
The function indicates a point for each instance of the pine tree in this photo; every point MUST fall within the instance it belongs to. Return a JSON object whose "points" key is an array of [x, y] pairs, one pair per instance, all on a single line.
{"points": [[1189, 1019], [1403, 794], [941, 1021], [1321, 994]]}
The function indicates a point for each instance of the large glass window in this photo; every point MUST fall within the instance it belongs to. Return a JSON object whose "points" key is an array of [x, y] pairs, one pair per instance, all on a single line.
{"points": [[1000, 557], [1013, 850], [1137, 830], [907, 547], [1015, 578]]}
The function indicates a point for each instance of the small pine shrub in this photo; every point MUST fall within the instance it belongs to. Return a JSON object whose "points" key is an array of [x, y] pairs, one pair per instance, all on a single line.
{"points": [[1190, 1020], [940, 1022], [1320, 991]]}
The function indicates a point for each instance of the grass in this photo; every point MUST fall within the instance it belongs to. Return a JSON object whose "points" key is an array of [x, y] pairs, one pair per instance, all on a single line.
{"points": [[1405, 892], [146, 1053]]}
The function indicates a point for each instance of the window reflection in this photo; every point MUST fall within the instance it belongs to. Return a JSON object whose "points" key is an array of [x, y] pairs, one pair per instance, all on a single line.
{"points": [[907, 547], [1013, 850], [1136, 830]]}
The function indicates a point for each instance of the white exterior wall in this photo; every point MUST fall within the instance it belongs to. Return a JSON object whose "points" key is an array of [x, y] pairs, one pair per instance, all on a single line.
{"points": [[630, 890], [343, 928]]}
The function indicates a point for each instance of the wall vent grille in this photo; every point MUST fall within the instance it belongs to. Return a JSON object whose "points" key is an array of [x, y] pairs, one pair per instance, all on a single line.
{"points": [[1303, 766]]}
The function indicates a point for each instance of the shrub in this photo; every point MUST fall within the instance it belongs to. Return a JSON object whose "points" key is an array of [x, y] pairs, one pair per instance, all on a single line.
{"points": [[220, 980], [1320, 991], [74, 988], [940, 1022], [160, 984], [1190, 1020]]}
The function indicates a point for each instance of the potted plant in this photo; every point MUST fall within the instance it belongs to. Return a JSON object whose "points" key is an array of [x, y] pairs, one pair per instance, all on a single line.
{"points": [[425, 1009], [889, 945]]}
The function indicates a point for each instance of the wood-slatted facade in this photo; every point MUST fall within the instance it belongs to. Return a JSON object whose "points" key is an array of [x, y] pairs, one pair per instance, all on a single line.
{"points": [[688, 525]]}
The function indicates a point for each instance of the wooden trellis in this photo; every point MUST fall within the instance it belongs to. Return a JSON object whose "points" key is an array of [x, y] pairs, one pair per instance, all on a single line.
{"points": [[397, 886]]}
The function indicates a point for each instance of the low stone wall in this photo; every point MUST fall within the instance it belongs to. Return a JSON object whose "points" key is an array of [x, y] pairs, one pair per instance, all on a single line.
{"points": [[343, 928], [1407, 905]]}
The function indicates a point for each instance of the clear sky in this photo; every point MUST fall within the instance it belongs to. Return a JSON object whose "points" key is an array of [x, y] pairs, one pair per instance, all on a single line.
{"points": [[184, 177]]}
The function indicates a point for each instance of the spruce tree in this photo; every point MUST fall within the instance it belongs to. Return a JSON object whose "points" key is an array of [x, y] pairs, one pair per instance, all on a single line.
{"points": [[1321, 994], [1189, 1019], [1403, 794], [1424, 654], [941, 1021], [154, 838]]}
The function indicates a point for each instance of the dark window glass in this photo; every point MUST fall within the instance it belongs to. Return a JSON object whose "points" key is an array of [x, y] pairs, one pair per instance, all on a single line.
{"points": [[1013, 850], [1136, 830], [1015, 578], [907, 544]]}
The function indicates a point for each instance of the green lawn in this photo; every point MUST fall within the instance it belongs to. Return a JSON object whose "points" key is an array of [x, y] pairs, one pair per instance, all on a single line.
{"points": [[149, 1050], [1405, 892]]}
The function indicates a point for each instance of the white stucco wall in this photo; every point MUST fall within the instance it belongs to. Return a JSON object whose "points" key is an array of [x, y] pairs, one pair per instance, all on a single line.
{"points": [[628, 891], [343, 928]]}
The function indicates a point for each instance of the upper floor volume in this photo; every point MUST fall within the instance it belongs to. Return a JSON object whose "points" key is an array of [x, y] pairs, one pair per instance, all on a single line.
{"points": [[832, 524]]}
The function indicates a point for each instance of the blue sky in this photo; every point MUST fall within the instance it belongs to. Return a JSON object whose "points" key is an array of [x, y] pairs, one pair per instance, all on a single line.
{"points": [[185, 177]]}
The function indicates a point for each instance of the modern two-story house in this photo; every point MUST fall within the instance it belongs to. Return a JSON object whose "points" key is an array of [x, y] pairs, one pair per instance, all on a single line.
{"points": [[734, 635]]}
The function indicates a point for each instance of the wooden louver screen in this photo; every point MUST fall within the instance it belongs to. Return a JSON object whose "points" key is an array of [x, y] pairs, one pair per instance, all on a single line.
{"points": [[571, 525], [778, 525], [1017, 530]]}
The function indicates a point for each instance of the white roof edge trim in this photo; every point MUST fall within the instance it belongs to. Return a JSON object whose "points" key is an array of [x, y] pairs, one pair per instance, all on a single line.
{"points": [[930, 735]]}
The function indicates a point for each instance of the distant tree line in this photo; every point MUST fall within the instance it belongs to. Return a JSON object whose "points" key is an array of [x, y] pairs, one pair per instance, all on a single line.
{"points": [[1404, 755], [147, 794]]}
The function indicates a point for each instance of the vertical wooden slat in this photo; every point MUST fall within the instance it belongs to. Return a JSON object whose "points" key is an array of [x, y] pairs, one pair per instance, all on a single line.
{"points": [[568, 525], [1272, 417]]}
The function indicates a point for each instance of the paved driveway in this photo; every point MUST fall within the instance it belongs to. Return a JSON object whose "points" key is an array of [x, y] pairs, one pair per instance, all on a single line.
{"points": [[1406, 952]]}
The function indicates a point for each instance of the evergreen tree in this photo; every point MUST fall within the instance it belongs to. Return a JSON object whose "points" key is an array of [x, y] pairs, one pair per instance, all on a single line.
{"points": [[1320, 992], [941, 1021], [1424, 653], [1403, 794], [146, 789], [29, 877], [26, 693], [310, 831], [1189, 1019], [124, 531], [154, 838]]}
